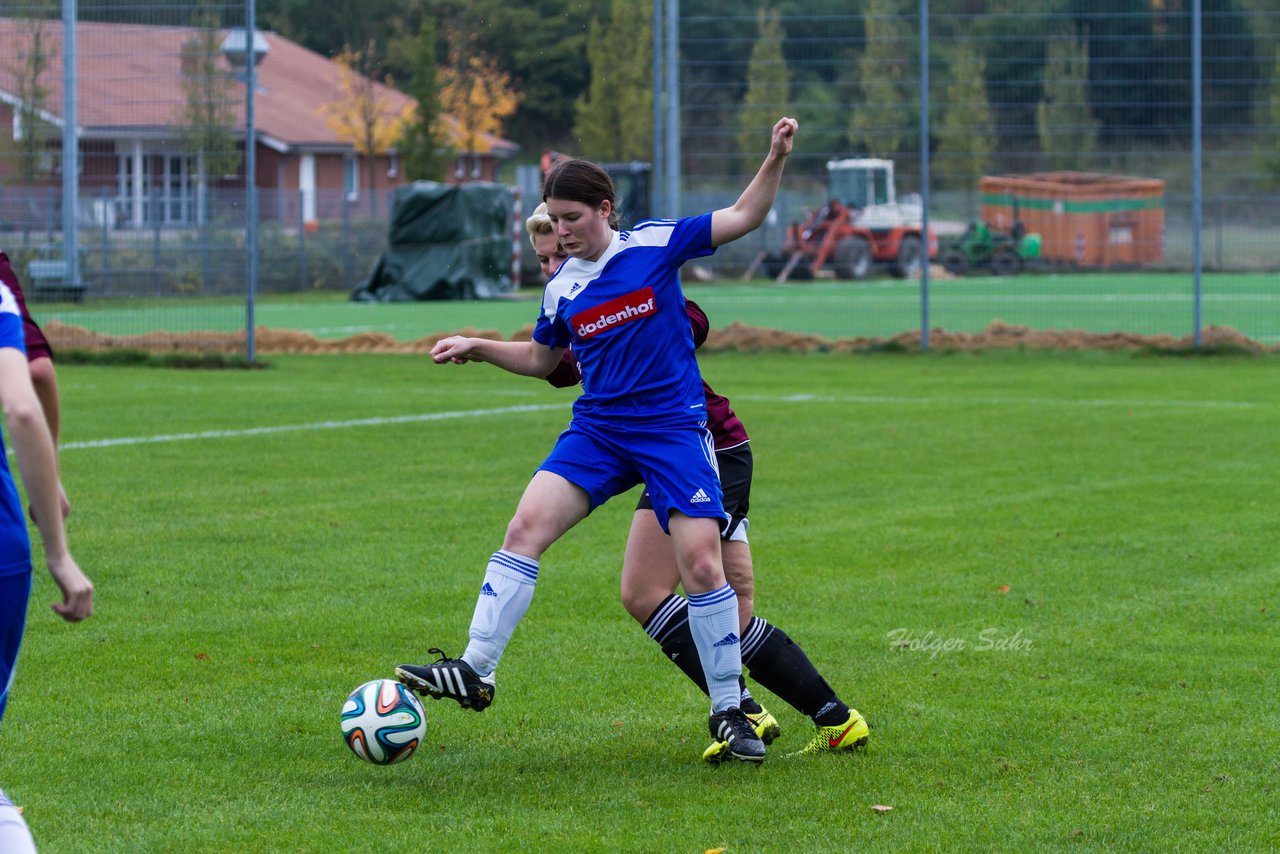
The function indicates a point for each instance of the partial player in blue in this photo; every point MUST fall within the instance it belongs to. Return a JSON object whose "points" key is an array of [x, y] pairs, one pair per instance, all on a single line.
{"points": [[640, 419], [28, 431], [40, 362]]}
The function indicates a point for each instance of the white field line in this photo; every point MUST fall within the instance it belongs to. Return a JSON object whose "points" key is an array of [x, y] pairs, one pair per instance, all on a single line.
{"points": [[316, 425], [794, 398]]}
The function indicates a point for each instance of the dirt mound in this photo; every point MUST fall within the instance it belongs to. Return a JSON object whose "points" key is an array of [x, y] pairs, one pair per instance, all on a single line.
{"points": [[998, 335], [735, 336]]}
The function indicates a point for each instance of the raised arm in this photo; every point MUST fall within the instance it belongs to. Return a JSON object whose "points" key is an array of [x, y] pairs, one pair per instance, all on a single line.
{"points": [[746, 214], [527, 358], [33, 448]]}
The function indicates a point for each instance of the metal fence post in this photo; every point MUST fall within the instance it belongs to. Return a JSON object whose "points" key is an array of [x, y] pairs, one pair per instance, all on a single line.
{"points": [[346, 241], [302, 244], [250, 177], [672, 164], [924, 171], [70, 147], [107, 210], [658, 198], [1197, 198]]}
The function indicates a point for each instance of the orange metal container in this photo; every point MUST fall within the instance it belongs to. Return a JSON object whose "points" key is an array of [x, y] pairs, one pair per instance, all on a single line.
{"points": [[1084, 219]]}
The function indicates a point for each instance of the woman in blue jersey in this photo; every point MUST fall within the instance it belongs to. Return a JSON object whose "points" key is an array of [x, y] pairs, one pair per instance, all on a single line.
{"points": [[640, 419], [27, 430], [650, 576]]}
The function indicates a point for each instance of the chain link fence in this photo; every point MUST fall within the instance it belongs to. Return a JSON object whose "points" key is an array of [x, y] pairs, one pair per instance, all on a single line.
{"points": [[1074, 123]]}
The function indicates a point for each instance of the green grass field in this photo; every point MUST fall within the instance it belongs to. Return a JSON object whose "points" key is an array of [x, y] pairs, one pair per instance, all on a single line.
{"points": [[1147, 303], [1049, 581]]}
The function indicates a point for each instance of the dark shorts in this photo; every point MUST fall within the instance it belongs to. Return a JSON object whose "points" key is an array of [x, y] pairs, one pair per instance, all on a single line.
{"points": [[37, 345], [735, 484]]}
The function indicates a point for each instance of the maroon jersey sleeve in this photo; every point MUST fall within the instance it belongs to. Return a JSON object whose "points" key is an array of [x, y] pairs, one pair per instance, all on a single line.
{"points": [[697, 322], [566, 373], [37, 345], [727, 430]]}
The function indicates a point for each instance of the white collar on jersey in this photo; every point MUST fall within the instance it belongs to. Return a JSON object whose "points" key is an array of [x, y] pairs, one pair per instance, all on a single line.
{"points": [[581, 266]]}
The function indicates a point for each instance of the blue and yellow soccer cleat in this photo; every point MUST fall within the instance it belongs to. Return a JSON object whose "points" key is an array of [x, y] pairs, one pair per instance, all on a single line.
{"points": [[734, 738], [449, 677], [765, 725], [849, 735]]}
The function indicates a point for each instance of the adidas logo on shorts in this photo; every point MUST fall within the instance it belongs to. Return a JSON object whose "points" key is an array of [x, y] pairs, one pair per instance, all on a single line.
{"points": [[699, 497]]}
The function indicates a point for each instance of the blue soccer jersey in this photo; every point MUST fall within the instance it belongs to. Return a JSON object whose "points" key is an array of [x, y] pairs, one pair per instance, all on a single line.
{"points": [[624, 316], [15, 547]]}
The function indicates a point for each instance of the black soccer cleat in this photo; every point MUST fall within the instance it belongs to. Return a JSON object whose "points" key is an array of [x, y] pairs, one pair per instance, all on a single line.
{"points": [[735, 738], [448, 677]]}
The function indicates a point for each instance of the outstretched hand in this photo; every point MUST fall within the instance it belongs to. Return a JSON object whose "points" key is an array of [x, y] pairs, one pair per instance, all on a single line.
{"points": [[452, 349], [784, 133]]}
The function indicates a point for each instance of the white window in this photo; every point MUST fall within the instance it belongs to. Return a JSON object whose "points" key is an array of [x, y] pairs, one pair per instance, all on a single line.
{"points": [[124, 188], [307, 186], [351, 177], [168, 188]]}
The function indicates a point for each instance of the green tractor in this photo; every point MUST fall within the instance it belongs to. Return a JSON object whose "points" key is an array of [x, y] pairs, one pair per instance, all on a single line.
{"points": [[983, 248]]}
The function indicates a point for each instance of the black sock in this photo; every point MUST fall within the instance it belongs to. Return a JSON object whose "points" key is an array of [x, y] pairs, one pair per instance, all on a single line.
{"points": [[778, 663], [669, 626]]}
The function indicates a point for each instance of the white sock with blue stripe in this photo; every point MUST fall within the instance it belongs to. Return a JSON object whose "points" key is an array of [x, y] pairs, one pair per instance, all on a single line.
{"points": [[504, 597], [713, 619], [15, 837]]}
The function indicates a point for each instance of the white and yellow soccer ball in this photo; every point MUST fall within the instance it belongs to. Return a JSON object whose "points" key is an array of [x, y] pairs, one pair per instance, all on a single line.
{"points": [[383, 722]]}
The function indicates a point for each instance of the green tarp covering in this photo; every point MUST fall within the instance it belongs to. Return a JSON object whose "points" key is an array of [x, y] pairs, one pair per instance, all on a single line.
{"points": [[444, 242]]}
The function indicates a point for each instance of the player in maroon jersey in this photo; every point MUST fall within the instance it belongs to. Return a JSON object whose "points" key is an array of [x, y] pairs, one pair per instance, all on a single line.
{"points": [[40, 363], [650, 576]]}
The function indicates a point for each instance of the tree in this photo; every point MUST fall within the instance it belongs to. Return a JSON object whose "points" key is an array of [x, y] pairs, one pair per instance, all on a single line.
{"points": [[541, 45], [1068, 130], [615, 114], [476, 95], [966, 133], [365, 116], [884, 120], [768, 89], [208, 112], [421, 137], [30, 142]]}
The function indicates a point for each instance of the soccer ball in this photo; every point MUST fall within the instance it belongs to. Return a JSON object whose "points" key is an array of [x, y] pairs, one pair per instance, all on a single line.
{"points": [[383, 722]]}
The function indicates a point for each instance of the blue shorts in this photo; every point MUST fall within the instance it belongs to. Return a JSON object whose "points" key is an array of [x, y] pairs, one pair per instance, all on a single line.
{"points": [[677, 464], [15, 591], [735, 466]]}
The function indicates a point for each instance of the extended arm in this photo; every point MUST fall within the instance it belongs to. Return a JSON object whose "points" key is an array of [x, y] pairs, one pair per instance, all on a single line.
{"points": [[45, 381], [527, 358], [33, 448], [746, 214]]}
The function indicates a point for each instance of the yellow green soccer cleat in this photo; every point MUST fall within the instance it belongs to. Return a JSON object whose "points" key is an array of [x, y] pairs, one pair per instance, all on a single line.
{"points": [[846, 736], [765, 724]]}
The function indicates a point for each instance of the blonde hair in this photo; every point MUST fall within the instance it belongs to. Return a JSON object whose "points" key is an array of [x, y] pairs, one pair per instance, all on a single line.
{"points": [[538, 223]]}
